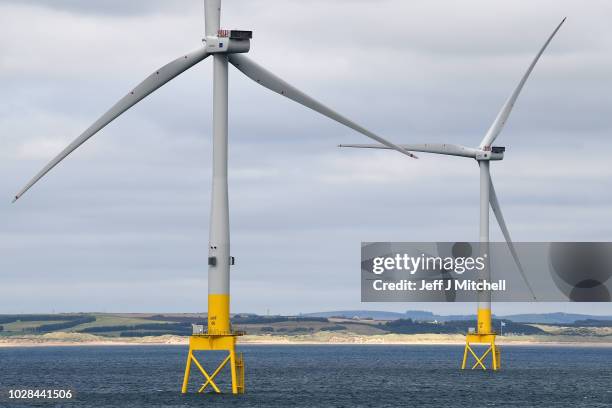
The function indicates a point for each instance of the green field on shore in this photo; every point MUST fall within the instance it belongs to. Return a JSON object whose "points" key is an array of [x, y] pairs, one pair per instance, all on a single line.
{"points": [[141, 325]]}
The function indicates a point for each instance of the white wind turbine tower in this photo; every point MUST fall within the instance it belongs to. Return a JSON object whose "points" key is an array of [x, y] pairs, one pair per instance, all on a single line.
{"points": [[225, 46], [483, 154]]}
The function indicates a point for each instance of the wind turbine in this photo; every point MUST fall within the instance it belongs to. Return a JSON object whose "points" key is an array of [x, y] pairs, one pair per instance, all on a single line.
{"points": [[483, 154], [225, 46]]}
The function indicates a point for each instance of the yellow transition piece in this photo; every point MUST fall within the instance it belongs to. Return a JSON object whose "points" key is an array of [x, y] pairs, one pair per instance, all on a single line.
{"points": [[219, 337], [484, 336]]}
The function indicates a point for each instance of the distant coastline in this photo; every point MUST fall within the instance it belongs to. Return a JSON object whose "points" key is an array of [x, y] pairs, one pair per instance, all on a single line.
{"points": [[58, 339], [348, 327]]}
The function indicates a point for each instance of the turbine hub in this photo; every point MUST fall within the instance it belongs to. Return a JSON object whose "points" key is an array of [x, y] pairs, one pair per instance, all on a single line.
{"points": [[491, 153], [229, 42]]}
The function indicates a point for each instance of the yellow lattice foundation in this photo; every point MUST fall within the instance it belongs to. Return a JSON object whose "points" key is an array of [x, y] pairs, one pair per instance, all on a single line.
{"points": [[217, 341], [481, 361]]}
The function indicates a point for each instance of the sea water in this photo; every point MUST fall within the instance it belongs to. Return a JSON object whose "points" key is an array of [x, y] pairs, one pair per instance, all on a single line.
{"points": [[312, 376]]}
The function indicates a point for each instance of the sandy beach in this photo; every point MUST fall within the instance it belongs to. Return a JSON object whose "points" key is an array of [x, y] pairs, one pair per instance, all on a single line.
{"points": [[81, 339]]}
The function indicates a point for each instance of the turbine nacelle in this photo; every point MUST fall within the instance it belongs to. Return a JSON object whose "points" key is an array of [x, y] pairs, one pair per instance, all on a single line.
{"points": [[490, 153], [228, 42]]}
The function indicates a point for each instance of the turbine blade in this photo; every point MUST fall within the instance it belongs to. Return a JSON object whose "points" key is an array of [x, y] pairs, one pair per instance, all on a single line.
{"points": [[435, 148], [365, 146], [146, 87], [268, 80], [212, 17], [502, 225], [504, 113]]}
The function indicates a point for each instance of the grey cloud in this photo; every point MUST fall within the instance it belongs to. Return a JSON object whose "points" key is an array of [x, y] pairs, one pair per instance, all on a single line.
{"points": [[110, 8], [122, 224]]}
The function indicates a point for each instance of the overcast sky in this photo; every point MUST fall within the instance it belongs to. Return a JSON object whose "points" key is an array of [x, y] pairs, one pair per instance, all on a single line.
{"points": [[122, 224]]}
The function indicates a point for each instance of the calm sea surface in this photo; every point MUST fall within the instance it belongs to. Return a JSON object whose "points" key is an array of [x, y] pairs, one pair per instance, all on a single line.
{"points": [[314, 376]]}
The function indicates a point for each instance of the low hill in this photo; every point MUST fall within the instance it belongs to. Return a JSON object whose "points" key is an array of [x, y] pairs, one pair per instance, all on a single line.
{"points": [[361, 323], [419, 315]]}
